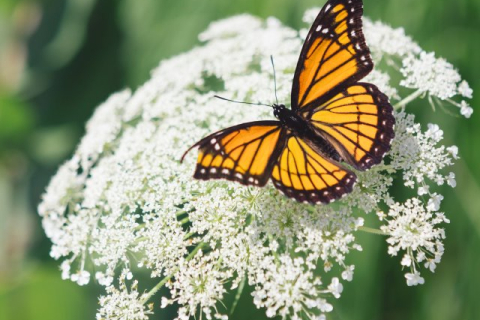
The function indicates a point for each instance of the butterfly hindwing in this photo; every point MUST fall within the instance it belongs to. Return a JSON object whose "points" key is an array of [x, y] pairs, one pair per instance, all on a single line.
{"points": [[302, 172], [334, 54], [358, 122], [241, 153]]}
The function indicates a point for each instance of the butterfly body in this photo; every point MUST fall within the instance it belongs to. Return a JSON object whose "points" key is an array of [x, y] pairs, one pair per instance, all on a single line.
{"points": [[334, 120], [299, 127], [291, 120]]}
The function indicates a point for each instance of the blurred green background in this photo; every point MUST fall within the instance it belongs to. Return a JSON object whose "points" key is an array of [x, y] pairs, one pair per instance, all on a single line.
{"points": [[61, 58]]}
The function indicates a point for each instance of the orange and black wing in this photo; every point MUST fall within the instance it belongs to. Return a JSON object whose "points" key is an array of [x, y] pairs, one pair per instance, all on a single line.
{"points": [[302, 172], [245, 153], [358, 122], [334, 54]]}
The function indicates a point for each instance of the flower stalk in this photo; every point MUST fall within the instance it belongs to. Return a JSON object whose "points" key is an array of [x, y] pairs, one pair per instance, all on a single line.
{"points": [[159, 285]]}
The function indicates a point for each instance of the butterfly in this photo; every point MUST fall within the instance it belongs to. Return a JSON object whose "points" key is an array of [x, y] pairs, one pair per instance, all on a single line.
{"points": [[334, 121]]}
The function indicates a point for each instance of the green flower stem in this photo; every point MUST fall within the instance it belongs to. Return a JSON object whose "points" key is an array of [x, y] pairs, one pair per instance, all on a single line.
{"points": [[165, 280], [408, 99], [372, 230], [182, 212], [188, 235], [140, 227], [241, 286], [455, 103], [185, 220]]}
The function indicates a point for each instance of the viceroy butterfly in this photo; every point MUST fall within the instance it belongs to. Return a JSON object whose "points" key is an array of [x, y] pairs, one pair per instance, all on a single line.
{"points": [[333, 119]]}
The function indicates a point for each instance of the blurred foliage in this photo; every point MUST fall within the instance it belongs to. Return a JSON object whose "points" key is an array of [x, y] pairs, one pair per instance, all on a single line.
{"points": [[61, 58]]}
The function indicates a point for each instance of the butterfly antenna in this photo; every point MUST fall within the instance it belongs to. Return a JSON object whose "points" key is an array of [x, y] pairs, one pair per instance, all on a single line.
{"points": [[243, 102], [274, 78]]}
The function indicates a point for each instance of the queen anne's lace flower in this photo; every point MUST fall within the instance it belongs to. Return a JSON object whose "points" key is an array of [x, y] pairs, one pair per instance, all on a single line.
{"points": [[414, 229], [465, 109], [465, 90], [414, 279], [123, 302], [385, 42], [125, 202], [288, 286], [430, 74], [418, 154]]}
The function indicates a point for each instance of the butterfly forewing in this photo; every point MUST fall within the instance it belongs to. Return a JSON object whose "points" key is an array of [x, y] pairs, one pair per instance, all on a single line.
{"points": [[358, 122], [302, 172], [242, 153], [334, 54]]}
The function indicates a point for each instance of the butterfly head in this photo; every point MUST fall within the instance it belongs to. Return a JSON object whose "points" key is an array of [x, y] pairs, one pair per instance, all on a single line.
{"points": [[287, 116], [278, 110]]}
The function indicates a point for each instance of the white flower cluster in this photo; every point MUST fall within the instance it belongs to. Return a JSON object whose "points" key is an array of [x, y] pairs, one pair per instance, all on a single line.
{"points": [[437, 78], [385, 42], [286, 286], [125, 202], [413, 229], [430, 157], [122, 303]]}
